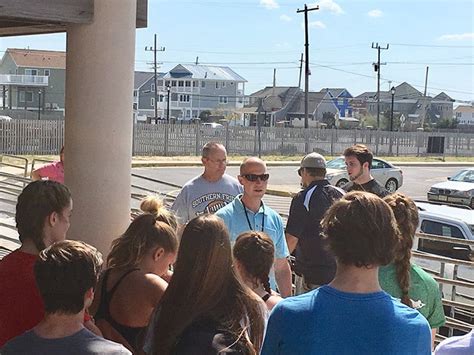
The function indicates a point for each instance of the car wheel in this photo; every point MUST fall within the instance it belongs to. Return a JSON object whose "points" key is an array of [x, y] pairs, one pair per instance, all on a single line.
{"points": [[341, 183], [391, 185]]}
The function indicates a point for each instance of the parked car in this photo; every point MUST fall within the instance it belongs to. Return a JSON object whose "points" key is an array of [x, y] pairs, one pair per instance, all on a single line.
{"points": [[459, 189], [212, 125], [446, 221], [385, 173]]}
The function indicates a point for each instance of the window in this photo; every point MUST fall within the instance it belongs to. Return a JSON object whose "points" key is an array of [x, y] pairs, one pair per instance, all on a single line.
{"points": [[167, 83], [241, 100], [183, 98], [152, 102], [203, 84], [195, 83], [135, 93], [31, 71], [222, 99], [46, 72], [217, 85], [161, 98], [152, 87], [181, 83], [173, 83], [187, 84], [223, 84], [159, 83], [28, 95], [174, 96], [458, 114]]}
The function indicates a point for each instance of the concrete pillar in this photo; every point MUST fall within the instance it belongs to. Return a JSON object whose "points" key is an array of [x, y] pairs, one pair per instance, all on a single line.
{"points": [[98, 124]]}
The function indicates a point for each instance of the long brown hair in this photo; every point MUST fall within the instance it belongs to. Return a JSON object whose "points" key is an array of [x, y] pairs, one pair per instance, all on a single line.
{"points": [[361, 230], [143, 234], [406, 214], [204, 285], [256, 252]]}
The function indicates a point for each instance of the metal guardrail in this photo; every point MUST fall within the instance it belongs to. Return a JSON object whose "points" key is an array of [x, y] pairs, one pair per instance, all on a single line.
{"points": [[23, 166]]}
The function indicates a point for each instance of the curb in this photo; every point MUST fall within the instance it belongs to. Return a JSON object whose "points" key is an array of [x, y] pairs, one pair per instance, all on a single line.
{"points": [[170, 164]]}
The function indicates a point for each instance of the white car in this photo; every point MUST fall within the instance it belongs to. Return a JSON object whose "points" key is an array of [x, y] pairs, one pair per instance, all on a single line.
{"points": [[385, 173], [458, 190], [212, 125]]}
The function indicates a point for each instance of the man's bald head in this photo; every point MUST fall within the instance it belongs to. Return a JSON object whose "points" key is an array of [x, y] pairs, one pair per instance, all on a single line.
{"points": [[252, 161]]}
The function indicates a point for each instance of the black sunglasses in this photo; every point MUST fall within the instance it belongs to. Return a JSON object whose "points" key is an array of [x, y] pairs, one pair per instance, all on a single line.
{"points": [[255, 177]]}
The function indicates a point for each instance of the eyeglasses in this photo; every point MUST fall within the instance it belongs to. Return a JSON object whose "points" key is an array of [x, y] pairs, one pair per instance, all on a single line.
{"points": [[255, 177], [218, 161]]}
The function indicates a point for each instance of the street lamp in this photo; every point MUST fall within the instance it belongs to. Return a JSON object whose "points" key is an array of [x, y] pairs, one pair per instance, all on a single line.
{"points": [[168, 89], [39, 105], [392, 91]]}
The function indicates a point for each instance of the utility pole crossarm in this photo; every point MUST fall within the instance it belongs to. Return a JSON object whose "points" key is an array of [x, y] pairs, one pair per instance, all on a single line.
{"points": [[377, 69]]}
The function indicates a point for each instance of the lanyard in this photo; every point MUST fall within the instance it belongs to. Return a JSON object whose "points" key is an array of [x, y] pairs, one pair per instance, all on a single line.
{"points": [[248, 220]]}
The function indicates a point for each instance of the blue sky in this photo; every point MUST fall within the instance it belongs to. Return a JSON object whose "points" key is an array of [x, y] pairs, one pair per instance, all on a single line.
{"points": [[255, 36]]}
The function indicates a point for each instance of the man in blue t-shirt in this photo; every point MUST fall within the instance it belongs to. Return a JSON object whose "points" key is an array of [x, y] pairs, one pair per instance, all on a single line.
{"points": [[351, 315]]}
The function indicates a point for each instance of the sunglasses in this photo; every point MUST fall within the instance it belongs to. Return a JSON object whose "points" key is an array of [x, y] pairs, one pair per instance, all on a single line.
{"points": [[255, 177]]}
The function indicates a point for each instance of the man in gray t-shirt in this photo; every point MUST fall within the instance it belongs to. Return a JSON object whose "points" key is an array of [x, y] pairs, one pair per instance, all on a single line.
{"points": [[210, 191]]}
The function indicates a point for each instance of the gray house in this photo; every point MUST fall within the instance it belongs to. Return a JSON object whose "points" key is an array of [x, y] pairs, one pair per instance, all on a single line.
{"points": [[285, 104], [32, 80], [194, 88], [417, 108], [144, 96]]}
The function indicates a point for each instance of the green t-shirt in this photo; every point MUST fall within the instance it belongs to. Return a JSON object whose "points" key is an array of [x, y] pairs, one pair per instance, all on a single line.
{"points": [[424, 292]]}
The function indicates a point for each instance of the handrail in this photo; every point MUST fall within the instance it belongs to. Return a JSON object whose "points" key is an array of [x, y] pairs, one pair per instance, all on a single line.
{"points": [[444, 239], [23, 167], [444, 259]]}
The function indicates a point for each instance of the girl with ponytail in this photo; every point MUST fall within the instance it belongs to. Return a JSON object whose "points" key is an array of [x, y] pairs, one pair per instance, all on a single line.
{"points": [[403, 279], [254, 254]]}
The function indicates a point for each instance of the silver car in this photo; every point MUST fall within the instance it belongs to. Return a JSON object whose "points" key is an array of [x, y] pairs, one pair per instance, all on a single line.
{"points": [[458, 190], [385, 173]]}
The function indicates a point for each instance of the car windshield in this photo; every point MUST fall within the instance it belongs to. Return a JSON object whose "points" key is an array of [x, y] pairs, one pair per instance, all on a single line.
{"points": [[337, 163], [464, 176]]}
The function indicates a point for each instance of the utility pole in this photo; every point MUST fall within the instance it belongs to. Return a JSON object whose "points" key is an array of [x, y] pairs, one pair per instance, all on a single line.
{"points": [[377, 69], [301, 71], [154, 49], [426, 81], [306, 38]]}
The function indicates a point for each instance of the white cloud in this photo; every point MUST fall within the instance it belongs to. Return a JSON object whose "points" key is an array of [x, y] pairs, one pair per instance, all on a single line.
{"points": [[269, 4], [315, 24], [375, 13], [457, 37], [285, 18], [331, 6]]}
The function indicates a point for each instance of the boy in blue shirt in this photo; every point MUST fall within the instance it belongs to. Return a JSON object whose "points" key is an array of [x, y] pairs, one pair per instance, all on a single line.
{"points": [[351, 315]]}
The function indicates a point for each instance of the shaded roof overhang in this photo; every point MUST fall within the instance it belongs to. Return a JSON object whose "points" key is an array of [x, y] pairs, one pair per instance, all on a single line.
{"points": [[27, 17]]}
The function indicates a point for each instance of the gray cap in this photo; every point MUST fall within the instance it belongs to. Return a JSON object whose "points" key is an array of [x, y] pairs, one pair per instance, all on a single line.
{"points": [[313, 160]]}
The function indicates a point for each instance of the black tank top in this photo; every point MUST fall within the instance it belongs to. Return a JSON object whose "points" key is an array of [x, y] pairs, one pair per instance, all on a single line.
{"points": [[130, 334]]}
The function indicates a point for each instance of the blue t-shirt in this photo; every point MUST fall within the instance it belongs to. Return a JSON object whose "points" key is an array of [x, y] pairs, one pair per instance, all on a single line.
{"points": [[234, 218], [328, 321]]}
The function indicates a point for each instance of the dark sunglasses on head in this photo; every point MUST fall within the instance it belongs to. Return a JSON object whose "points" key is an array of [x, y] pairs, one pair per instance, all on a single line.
{"points": [[254, 177]]}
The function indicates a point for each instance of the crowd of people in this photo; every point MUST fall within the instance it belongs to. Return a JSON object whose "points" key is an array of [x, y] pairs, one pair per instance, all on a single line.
{"points": [[211, 275]]}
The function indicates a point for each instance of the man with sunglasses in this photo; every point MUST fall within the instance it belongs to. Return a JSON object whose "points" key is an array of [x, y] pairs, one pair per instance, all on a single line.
{"points": [[314, 264], [248, 212], [209, 191]]}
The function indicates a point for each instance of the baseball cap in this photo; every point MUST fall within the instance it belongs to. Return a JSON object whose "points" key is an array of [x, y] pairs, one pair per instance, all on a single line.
{"points": [[313, 160]]}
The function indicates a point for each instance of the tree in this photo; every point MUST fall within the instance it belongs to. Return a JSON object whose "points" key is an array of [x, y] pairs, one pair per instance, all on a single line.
{"points": [[449, 123], [204, 115], [329, 119]]}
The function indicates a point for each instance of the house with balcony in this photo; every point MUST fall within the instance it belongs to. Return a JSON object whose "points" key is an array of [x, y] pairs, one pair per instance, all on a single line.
{"points": [[193, 88], [342, 99], [33, 80]]}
